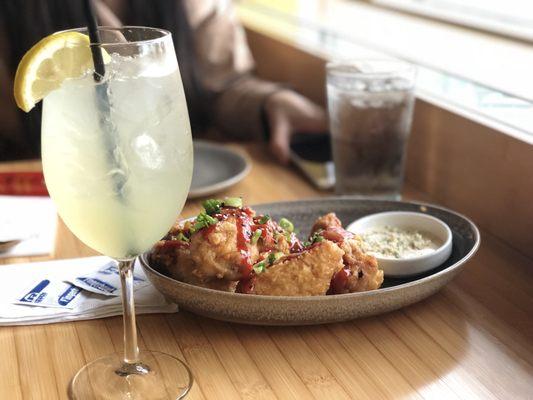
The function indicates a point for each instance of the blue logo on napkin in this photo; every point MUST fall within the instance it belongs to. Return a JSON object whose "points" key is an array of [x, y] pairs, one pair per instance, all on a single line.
{"points": [[97, 284], [35, 295], [68, 295]]}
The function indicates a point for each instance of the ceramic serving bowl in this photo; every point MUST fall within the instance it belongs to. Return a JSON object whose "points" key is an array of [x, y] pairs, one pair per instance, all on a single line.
{"points": [[397, 267], [283, 310]]}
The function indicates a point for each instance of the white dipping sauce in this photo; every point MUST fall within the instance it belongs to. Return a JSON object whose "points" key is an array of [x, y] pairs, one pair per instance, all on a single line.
{"points": [[397, 243]]}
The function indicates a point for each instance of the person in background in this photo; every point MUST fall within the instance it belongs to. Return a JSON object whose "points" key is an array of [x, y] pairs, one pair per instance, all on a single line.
{"points": [[215, 63]]}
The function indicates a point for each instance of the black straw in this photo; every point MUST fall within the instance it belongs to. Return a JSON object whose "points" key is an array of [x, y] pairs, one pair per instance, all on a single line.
{"points": [[109, 132], [94, 36]]}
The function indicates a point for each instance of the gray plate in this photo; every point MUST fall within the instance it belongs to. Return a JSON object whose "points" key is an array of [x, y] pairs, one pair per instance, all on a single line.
{"points": [[283, 310], [215, 168]]}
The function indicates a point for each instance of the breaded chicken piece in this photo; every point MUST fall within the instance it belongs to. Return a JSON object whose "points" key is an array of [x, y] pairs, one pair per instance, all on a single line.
{"points": [[165, 254], [212, 258], [178, 264], [215, 253], [282, 243], [306, 274], [275, 238], [326, 221], [183, 268], [216, 284], [364, 273]]}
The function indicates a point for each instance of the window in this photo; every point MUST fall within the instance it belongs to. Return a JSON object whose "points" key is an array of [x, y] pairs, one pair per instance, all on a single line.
{"points": [[485, 75], [512, 18]]}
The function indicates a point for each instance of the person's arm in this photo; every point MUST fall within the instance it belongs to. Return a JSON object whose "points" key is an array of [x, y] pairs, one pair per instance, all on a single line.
{"points": [[106, 16], [225, 70]]}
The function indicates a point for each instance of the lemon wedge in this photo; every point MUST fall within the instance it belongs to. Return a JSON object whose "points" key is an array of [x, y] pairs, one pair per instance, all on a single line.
{"points": [[48, 63]]}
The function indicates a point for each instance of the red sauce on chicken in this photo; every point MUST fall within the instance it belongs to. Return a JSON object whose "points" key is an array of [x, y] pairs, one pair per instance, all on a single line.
{"points": [[336, 234], [339, 281], [246, 225], [295, 245], [243, 217], [246, 285], [244, 232], [225, 212], [209, 230]]}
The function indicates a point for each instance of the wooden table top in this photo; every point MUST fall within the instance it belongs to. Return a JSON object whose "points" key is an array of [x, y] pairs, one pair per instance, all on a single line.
{"points": [[472, 340]]}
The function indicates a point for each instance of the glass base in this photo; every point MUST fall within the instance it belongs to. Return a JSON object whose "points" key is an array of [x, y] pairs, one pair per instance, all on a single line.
{"points": [[158, 376]]}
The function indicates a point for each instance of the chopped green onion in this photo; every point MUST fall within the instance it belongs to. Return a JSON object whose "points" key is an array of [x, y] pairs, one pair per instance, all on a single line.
{"points": [[235, 202], [212, 206], [203, 221], [315, 238], [182, 237], [259, 267], [286, 224], [273, 257], [264, 219], [256, 236]]}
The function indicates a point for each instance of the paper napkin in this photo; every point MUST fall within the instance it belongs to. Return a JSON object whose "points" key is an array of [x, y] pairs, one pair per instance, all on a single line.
{"points": [[25, 282], [31, 218]]}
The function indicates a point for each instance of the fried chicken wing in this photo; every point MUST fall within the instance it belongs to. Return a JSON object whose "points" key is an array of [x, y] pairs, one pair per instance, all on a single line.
{"points": [[360, 272], [216, 253], [306, 274], [326, 221], [275, 238], [364, 272], [174, 257], [171, 252]]}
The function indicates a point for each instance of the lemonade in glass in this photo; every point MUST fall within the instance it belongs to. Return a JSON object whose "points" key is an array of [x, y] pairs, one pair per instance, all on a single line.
{"points": [[117, 159]]}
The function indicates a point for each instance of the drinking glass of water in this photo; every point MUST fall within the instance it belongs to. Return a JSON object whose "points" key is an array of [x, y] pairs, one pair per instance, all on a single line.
{"points": [[370, 105]]}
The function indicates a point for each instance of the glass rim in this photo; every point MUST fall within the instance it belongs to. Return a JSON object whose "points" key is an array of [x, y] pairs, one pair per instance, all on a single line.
{"points": [[400, 66], [164, 34]]}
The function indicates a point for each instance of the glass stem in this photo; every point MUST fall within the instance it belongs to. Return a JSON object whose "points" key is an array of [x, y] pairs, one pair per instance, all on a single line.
{"points": [[131, 350]]}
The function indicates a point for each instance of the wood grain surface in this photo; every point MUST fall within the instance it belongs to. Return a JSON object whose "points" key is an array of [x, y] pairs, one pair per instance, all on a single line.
{"points": [[472, 340]]}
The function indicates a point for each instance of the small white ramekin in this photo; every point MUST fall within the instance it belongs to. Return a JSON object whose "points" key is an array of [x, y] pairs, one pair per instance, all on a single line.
{"points": [[413, 221]]}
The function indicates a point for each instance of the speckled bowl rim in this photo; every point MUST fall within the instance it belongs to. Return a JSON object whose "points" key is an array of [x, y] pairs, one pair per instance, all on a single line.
{"points": [[477, 240]]}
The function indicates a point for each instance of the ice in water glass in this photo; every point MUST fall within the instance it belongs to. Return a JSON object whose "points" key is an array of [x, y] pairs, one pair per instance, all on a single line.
{"points": [[117, 159], [370, 106]]}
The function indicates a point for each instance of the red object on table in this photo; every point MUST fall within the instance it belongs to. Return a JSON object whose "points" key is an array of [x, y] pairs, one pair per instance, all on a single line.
{"points": [[23, 183]]}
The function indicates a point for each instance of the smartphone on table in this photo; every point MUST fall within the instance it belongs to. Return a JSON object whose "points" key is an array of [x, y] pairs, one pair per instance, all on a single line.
{"points": [[311, 153]]}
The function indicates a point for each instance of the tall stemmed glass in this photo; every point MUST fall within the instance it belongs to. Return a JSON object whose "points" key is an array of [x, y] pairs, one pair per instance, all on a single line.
{"points": [[117, 159]]}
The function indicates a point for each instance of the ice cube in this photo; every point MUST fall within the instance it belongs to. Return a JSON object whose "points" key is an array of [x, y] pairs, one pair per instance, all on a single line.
{"points": [[148, 151]]}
